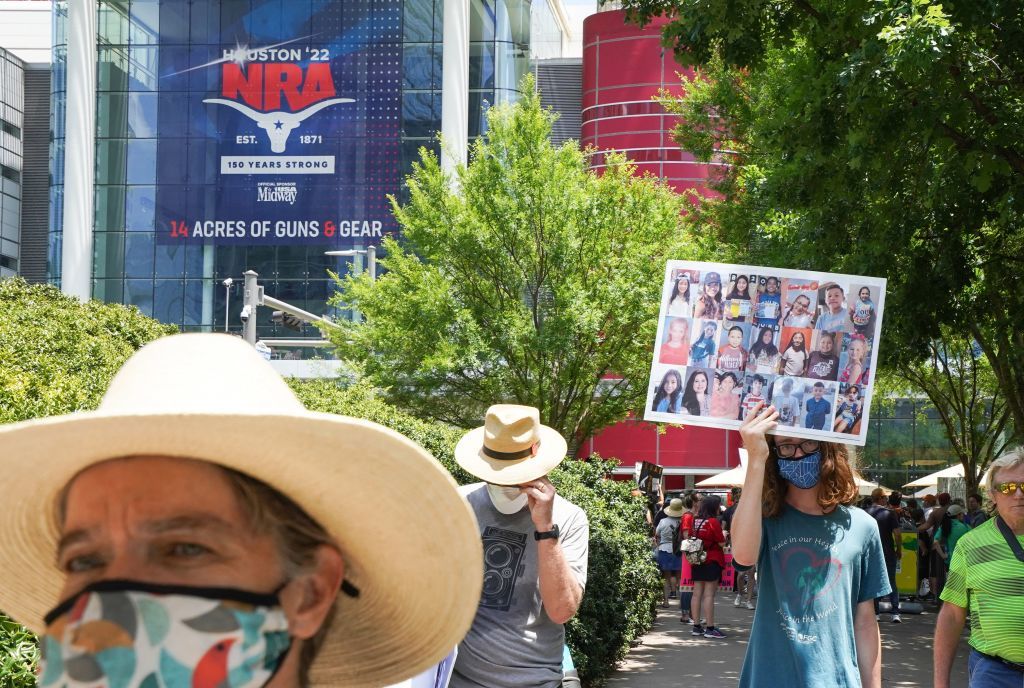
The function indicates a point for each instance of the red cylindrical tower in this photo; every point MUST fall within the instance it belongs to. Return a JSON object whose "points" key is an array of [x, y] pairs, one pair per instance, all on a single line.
{"points": [[624, 68]]}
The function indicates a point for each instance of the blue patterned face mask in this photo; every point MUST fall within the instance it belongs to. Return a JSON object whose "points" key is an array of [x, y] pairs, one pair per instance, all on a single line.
{"points": [[120, 634], [803, 472]]}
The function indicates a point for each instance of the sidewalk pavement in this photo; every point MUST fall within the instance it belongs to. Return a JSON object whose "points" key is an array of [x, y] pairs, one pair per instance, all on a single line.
{"points": [[670, 656]]}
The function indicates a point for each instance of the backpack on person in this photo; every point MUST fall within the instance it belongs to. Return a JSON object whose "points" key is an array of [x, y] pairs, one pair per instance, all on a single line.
{"points": [[693, 548], [676, 541]]}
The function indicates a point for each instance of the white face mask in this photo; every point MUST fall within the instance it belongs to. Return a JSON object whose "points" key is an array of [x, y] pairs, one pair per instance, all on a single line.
{"points": [[507, 500]]}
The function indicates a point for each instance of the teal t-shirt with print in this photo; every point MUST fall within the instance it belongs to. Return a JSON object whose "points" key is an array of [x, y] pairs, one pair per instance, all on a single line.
{"points": [[812, 572]]}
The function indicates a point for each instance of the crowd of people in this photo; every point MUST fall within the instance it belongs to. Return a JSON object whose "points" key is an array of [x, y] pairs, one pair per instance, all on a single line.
{"points": [[202, 541]]}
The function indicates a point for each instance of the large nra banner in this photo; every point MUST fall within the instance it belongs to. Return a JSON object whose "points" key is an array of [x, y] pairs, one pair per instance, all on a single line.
{"points": [[730, 336], [291, 120]]}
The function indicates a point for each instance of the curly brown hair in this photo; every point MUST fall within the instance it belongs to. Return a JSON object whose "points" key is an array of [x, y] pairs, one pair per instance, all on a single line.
{"points": [[836, 485]]}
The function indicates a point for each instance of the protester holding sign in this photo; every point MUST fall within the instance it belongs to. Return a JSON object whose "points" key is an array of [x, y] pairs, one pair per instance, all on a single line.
{"points": [[820, 563]]}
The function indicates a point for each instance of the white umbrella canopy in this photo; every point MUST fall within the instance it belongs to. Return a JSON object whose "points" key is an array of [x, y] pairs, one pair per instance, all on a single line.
{"points": [[733, 477], [932, 479], [866, 487]]}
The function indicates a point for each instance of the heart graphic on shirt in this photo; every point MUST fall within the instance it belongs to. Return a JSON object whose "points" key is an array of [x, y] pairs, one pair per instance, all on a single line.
{"points": [[807, 575]]}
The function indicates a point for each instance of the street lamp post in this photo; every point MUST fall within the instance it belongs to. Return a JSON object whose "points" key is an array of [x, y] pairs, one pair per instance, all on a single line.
{"points": [[371, 257], [227, 300]]}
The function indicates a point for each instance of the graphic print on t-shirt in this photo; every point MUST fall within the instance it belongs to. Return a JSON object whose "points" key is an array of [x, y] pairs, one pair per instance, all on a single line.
{"points": [[808, 574], [503, 566]]}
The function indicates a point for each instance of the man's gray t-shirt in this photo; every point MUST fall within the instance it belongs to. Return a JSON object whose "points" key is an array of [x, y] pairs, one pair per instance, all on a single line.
{"points": [[513, 643]]}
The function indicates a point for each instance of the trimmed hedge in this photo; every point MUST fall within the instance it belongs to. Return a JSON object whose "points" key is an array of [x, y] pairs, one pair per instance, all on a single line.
{"points": [[623, 584]]}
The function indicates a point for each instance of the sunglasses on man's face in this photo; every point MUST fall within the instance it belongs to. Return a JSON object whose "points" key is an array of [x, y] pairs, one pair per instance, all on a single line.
{"points": [[786, 451], [1010, 488]]}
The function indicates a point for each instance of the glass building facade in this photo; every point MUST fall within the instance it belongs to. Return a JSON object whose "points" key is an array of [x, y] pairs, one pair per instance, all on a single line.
{"points": [[182, 283], [906, 440], [12, 117]]}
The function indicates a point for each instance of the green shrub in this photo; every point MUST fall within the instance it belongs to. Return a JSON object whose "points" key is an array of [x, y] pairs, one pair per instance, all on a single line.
{"points": [[622, 584], [18, 655], [57, 355]]}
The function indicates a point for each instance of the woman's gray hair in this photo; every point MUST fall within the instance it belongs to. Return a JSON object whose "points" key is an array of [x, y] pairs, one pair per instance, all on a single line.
{"points": [[1011, 459]]}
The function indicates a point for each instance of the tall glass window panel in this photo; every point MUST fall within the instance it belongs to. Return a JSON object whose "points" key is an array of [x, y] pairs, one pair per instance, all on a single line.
{"points": [[194, 302], [145, 22], [108, 255], [481, 65], [112, 22], [168, 300], [418, 20], [140, 209], [112, 68], [170, 260], [111, 161], [481, 20], [144, 69], [139, 292], [108, 290], [418, 116], [417, 66], [138, 250], [112, 115], [142, 115], [142, 161]]}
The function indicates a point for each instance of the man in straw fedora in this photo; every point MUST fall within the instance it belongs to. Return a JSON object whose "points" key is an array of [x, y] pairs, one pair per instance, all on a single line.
{"points": [[196, 530], [535, 553]]}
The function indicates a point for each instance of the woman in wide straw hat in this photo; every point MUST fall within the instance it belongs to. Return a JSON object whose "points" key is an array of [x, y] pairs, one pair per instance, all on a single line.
{"points": [[203, 524]]}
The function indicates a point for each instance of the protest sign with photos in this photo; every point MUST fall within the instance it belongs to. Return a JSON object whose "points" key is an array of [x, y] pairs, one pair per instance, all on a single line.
{"points": [[730, 336]]}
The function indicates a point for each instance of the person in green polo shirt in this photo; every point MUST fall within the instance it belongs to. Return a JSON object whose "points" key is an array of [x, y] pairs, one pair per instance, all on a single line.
{"points": [[986, 575]]}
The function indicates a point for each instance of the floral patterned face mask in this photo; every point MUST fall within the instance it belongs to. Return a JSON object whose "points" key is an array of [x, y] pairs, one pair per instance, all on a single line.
{"points": [[123, 634]]}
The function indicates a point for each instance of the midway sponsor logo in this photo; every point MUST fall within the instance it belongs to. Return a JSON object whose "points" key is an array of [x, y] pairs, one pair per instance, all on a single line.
{"points": [[277, 193]]}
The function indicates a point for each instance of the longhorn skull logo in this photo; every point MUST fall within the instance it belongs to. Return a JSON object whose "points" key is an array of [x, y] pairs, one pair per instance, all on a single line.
{"points": [[278, 125]]}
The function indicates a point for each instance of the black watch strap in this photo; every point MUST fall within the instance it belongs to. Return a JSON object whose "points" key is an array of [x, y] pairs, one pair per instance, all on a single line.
{"points": [[547, 535]]}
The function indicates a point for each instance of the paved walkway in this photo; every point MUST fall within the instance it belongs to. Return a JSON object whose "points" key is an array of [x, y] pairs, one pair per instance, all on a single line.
{"points": [[669, 656]]}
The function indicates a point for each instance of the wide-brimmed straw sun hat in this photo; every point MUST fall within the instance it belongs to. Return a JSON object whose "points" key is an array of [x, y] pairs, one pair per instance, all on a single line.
{"points": [[674, 508], [511, 448], [211, 397]]}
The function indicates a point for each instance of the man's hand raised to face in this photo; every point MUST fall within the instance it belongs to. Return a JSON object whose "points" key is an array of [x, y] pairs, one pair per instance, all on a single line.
{"points": [[540, 495]]}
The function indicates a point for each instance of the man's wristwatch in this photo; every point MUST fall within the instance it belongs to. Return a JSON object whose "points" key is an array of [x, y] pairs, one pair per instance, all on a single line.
{"points": [[546, 535]]}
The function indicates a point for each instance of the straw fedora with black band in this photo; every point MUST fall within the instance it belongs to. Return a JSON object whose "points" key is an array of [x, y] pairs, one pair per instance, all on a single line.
{"points": [[211, 397], [511, 448]]}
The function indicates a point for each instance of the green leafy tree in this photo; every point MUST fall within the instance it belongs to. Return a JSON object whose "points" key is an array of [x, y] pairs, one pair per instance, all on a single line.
{"points": [[57, 355], [875, 137], [535, 281], [963, 390]]}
